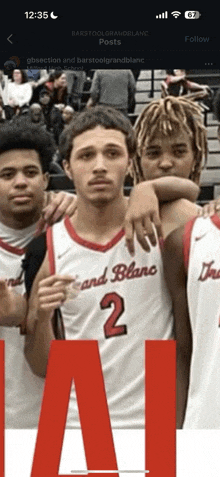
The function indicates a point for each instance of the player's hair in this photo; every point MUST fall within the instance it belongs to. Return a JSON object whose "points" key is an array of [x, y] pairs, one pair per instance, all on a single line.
{"points": [[22, 134], [90, 118], [167, 116]]}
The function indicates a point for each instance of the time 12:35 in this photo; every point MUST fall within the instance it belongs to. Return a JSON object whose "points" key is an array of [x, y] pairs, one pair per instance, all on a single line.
{"points": [[36, 15]]}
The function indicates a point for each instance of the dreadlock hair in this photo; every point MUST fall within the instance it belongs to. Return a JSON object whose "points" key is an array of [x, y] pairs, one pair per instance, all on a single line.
{"points": [[167, 116]]}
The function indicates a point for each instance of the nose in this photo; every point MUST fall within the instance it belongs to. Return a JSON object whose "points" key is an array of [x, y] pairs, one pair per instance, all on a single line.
{"points": [[100, 163], [166, 162], [20, 180]]}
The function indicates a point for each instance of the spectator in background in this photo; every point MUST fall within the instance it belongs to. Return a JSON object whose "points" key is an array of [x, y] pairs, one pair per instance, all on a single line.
{"points": [[136, 74], [114, 88], [3, 88], [216, 109], [2, 113], [19, 94], [36, 114], [46, 105], [2, 118], [52, 114], [76, 90], [177, 84], [57, 87], [67, 115], [56, 121], [37, 79]]}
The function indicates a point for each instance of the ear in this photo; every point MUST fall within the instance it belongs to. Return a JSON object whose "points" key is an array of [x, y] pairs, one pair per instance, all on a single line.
{"points": [[66, 166]]}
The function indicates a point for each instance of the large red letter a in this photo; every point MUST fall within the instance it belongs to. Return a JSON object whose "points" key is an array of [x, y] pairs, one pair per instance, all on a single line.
{"points": [[78, 360]]}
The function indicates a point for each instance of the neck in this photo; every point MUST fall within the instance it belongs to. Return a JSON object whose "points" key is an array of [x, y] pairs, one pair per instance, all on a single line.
{"points": [[99, 222], [19, 222]]}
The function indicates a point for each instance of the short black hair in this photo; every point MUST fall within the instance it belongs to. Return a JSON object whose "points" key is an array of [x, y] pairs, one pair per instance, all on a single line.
{"points": [[22, 134], [104, 116]]}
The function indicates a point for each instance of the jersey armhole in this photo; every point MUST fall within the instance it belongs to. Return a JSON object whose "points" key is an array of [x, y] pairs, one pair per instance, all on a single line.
{"points": [[186, 242]]}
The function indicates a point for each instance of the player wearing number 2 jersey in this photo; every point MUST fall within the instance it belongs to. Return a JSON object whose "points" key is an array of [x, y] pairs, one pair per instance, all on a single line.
{"points": [[112, 307], [120, 300]]}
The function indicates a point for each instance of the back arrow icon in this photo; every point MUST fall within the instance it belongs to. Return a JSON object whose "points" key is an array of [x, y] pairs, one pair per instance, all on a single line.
{"points": [[9, 38]]}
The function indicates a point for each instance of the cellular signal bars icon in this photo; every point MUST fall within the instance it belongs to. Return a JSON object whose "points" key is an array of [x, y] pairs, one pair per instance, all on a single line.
{"points": [[162, 16]]}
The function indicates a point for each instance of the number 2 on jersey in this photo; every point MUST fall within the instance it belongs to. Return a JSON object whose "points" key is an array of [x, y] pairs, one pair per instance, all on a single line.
{"points": [[110, 327]]}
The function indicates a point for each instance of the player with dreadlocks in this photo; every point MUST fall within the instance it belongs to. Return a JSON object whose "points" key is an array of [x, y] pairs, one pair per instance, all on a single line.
{"points": [[166, 119], [192, 269], [171, 141]]}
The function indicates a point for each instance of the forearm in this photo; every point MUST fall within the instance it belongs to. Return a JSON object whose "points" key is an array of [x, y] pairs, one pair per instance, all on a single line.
{"points": [[173, 188], [182, 385], [37, 346], [183, 353], [42, 80], [175, 275]]}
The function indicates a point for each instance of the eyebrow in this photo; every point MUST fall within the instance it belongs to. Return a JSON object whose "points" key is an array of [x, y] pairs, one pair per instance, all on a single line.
{"points": [[89, 148], [180, 144], [176, 144], [10, 169]]}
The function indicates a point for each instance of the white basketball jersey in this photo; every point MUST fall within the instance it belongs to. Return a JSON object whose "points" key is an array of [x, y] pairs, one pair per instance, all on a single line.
{"points": [[202, 246], [23, 390], [122, 302]]}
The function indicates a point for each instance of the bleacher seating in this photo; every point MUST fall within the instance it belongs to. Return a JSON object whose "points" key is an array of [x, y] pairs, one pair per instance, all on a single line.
{"points": [[148, 86]]}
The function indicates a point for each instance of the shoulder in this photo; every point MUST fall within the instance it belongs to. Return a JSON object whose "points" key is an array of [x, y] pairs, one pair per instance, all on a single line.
{"points": [[174, 241], [176, 214], [177, 244]]}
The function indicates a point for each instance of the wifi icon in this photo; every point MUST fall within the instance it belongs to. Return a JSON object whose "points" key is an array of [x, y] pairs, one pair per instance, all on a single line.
{"points": [[176, 14]]}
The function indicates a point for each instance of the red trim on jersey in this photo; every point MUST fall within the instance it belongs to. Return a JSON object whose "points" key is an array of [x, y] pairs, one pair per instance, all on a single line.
{"points": [[216, 220], [94, 246], [50, 250], [186, 241], [10, 248]]}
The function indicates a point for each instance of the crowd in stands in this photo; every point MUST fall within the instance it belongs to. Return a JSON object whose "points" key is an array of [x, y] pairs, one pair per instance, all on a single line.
{"points": [[51, 99], [47, 101], [44, 101]]}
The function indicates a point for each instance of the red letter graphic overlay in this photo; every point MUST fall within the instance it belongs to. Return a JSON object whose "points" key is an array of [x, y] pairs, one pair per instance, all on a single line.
{"points": [[2, 408], [160, 408], [78, 360]]}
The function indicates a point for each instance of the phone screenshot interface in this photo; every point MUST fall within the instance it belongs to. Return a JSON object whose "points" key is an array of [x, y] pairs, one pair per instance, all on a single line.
{"points": [[130, 196]]}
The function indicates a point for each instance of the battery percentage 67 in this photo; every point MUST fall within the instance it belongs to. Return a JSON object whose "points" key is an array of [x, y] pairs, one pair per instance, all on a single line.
{"points": [[192, 15]]}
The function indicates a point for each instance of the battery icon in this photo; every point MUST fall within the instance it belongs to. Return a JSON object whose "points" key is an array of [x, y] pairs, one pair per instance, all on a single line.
{"points": [[192, 15]]}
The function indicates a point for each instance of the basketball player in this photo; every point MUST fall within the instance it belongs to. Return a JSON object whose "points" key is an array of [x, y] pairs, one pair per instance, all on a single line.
{"points": [[113, 298], [192, 256], [25, 153], [171, 141]]}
